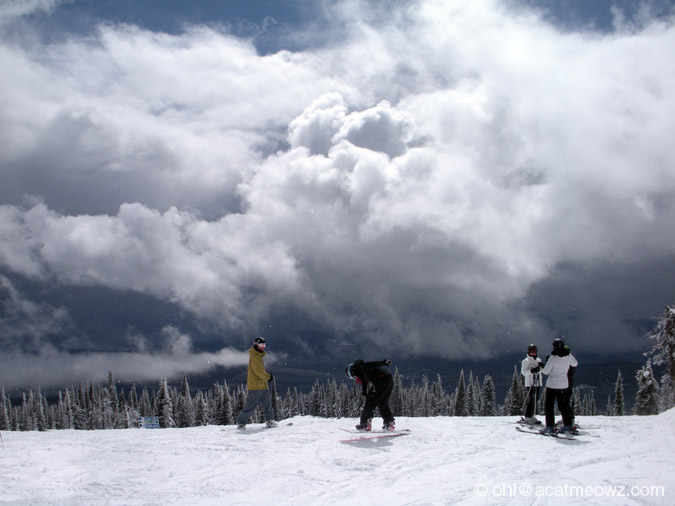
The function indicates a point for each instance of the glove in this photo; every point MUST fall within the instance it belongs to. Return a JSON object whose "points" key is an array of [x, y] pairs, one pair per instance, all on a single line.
{"points": [[535, 369], [387, 361], [271, 377]]}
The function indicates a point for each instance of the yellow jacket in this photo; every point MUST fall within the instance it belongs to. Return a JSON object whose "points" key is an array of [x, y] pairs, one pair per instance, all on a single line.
{"points": [[257, 377]]}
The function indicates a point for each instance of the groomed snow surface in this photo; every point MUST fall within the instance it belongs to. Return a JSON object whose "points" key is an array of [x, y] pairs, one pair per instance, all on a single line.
{"points": [[626, 460]]}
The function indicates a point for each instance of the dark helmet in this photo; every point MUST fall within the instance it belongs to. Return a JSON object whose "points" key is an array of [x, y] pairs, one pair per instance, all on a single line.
{"points": [[352, 369], [258, 341], [531, 348], [558, 345]]}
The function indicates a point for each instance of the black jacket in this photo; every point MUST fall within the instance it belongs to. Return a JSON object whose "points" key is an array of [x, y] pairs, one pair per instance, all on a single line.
{"points": [[370, 372]]}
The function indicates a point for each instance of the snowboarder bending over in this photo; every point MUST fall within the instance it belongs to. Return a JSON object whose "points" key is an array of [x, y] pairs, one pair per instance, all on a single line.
{"points": [[377, 396], [530, 368], [556, 368], [256, 384]]}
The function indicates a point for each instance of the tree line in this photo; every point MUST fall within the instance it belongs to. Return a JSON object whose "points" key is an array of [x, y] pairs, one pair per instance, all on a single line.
{"points": [[97, 407]]}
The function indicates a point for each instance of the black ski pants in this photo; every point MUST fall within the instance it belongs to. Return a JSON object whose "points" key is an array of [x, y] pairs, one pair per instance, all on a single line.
{"points": [[531, 401], [379, 398], [553, 394]]}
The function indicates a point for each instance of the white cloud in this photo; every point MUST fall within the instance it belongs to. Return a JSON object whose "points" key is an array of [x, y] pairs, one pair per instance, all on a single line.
{"points": [[63, 368], [409, 182]]}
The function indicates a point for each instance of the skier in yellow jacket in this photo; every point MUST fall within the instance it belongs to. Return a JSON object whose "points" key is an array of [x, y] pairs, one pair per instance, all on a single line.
{"points": [[256, 384]]}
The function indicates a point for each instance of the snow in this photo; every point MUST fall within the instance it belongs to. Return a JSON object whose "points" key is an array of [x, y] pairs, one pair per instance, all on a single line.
{"points": [[467, 461]]}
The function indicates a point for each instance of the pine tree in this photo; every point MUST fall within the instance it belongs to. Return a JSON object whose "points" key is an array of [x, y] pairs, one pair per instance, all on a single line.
{"points": [[226, 417], [185, 412], [4, 411], [396, 403], [610, 409], [113, 403], [240, 403], [470, 397], [646, 399], [488, 397], [667, 397], [477, 397], [663, 351], [461, 406], [618, 396], [437, 404], [201, 411], [515, 397], [164, 406]]}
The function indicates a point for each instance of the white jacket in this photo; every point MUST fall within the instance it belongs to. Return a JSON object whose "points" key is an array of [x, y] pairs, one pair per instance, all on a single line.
{"points": [[556, 369], [525, 369]]}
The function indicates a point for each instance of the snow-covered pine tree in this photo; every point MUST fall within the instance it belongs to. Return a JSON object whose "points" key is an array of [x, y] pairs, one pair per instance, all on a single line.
{"points": [[145, 404], [477, 397], [113, 405], [437, 400], [396, 400], [164, 406], [201, 410], [226, 417], [4, 411], [124, 412], [663, 350], [461, 406], [488, 397], [667, 396], [609, 409], [515, 397], [240, 402], [317, 399], [79, 414], [60, 421], [470, 398], [185, 411], [646, 399], [133, 397], [619, 405]]}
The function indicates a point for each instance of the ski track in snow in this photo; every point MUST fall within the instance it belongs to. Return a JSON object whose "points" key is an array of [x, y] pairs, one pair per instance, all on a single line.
{"points": [[440, 463]]}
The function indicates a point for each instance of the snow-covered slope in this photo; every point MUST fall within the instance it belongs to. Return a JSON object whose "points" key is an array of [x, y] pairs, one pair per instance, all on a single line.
{"points": [[627, 460]]}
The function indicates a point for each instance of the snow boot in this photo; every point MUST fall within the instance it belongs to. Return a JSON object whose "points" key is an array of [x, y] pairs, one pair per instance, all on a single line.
{"points": [[548, 431], [272, 424], [241, 426], [568, 428], [389, 426], [365, 426]]}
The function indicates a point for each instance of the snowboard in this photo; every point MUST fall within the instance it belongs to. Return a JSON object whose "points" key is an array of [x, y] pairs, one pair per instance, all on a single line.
{"points": [[564, 435], [373, 434], [259, 428]]}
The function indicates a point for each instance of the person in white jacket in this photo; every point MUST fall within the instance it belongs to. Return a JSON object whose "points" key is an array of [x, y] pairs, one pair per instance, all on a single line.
{"points": [[556, 369], [530, 369]]}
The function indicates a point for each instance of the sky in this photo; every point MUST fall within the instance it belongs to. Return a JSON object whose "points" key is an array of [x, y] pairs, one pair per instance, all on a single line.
{"points": [[400, 178]]}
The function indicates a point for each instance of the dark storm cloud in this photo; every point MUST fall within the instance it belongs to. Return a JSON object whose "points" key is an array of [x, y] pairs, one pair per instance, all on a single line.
{"points": [[406, 183]]}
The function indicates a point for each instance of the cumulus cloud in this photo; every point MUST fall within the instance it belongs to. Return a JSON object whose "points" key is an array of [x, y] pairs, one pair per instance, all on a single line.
{"points": [[410, 182]]}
